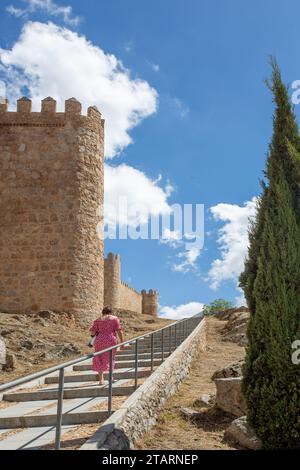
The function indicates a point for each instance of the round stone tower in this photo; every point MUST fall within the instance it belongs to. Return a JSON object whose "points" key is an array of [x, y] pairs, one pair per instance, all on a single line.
{"points": [[112, 280], [150, 302], [51, 188]]}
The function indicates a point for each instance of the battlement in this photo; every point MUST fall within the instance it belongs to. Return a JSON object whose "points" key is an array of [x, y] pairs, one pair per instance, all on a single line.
{"points": [[119, 294], [151, 293], [48, 116], [129, 287]]}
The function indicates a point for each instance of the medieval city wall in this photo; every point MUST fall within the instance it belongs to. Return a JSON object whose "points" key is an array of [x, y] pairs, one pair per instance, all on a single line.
{"points": [[119, 295], [130, 299], [51, 184]]}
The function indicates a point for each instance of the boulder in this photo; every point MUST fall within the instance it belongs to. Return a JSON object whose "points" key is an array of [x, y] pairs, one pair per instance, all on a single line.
{"points": [[205, 401], [46, 314], [26, 344], [240, 433], [5, 333], [229, 396], [237, 336], [231, 370], [189, 413], [236, 320], [226, 314], [62, 351]]}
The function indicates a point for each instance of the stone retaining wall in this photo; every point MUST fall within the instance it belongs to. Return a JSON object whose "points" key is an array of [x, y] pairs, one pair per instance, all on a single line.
{"points": [[139, 413]]}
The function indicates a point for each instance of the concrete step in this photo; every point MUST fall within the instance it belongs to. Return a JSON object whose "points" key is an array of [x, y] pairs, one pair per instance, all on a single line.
{"points": [[157, 342], [82, 392], [120, 365], [93, 377], [157, 347], [145, 355], [31, 438], [31, 421], [29, 407], [142, 350]]}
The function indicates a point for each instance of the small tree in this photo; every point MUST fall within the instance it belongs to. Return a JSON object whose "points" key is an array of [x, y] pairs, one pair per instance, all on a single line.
{"points": [[271, 283], [216, 306]]}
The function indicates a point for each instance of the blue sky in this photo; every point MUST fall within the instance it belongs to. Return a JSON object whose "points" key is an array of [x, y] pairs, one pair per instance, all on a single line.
{"points": [[194, 82]]}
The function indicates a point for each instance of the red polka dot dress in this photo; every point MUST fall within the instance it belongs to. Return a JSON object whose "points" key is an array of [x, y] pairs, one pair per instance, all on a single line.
{"points": [[106, 330]]}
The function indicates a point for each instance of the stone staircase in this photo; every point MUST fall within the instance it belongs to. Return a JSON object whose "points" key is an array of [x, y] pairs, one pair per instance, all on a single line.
{"points": [[28, 418]]}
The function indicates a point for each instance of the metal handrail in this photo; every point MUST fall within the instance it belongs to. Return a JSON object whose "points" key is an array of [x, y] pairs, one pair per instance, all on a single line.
{"points": [[178, 335]]}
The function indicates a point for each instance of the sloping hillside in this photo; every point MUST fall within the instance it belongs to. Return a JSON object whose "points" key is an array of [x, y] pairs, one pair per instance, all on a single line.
{"points": [[46, 338]]}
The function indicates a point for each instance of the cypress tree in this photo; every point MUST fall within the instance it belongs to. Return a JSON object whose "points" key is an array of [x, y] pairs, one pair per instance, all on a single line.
{"points": [[271, 283]]}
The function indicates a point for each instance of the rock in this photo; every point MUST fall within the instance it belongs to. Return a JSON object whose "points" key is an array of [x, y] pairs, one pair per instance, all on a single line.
{"points": [[47, 314], [64, 350], [240, 432], [205, 401], [69, 349], [26, 344], [238, 337], [189, 413], [225, 314], [5, 333], [2, 353], [41, 321], [229, 396], [231, 370], [11, 362], [237, 320]]}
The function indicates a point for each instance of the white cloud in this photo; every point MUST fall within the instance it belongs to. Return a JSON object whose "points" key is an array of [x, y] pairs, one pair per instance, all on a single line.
{"points": [[189, 257], [18, 12], [240, 300], [154, 67], [129, 47], [47, 6], [188, 254], [125, 183], [181, 311], [181, 108], [54, 61], [233, 241]]}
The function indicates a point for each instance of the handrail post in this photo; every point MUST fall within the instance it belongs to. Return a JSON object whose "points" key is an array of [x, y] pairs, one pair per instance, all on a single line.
{"points": [[152, 351], [59, 408], [110, 382], [170, 340], [136, 363], [162, 346], [175, 336]]}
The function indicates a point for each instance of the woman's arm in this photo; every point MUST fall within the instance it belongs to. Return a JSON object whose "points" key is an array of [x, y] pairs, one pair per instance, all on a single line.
{"points": [[121, 337]]}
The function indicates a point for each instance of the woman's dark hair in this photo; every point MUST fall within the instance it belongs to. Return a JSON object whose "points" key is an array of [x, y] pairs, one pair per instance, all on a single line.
{"points": [[106, 311]]}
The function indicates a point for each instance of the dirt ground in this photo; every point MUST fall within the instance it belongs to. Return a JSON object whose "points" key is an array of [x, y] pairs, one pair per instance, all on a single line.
{"points": [[45, 339], [172, 430]]}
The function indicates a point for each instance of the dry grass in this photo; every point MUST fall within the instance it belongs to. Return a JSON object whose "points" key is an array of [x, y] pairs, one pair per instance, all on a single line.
{"points": [[47, 334], [174, 432]]}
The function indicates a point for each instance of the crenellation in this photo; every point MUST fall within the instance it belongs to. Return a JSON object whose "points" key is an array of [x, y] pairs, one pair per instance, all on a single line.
{"points": [[72, 107], [48, 105], [119, 294], [49, 117], [3, 106], [24, 105]]}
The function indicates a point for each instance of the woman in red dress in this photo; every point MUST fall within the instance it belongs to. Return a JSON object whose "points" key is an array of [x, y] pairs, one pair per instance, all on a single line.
{"points": [[106, 330]]}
